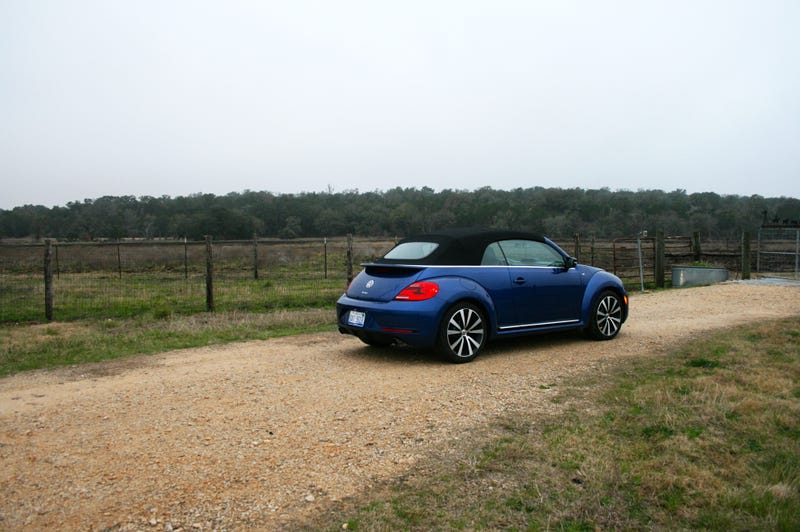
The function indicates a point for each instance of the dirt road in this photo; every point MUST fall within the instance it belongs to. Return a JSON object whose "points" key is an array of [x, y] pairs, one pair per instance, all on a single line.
{"points": [[256, 434]]}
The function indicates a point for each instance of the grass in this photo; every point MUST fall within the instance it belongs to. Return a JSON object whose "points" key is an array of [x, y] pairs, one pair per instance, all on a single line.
{"points": [[102, 315], [101, 295], [704, 437], [27, 347]]}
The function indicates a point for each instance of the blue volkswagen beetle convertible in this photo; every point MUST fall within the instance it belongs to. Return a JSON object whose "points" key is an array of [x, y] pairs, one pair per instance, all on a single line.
{"points": [[456, 290]]}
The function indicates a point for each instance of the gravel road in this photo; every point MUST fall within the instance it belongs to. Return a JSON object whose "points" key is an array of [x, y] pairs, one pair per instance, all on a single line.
{"points": [[258, 434]]}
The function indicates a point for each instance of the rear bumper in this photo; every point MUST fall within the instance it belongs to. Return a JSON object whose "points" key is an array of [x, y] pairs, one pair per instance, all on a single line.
{"points": [[412, 323]]}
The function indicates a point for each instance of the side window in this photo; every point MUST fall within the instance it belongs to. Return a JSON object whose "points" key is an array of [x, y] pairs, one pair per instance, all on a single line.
{"points": [[530, 253], [493, 256]]}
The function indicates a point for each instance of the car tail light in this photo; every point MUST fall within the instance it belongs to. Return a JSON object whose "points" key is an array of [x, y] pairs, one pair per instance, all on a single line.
{"points": [[418, 291]]}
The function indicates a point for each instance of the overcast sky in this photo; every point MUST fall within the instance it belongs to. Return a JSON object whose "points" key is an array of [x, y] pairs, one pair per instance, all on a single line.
{"points": [[179, 97]]}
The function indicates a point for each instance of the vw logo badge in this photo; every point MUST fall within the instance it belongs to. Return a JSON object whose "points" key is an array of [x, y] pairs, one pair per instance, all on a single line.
{"points": [[370, 283]]}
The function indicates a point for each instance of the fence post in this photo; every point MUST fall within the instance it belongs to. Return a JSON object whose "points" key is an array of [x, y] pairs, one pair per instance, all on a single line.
{"points": [[185, 258], [209, 275], [660, 278], [577, 246], [746, 255], [325, 256], [119, 261], [349, 258], [48, 280], [698, 253], [255, 256]]}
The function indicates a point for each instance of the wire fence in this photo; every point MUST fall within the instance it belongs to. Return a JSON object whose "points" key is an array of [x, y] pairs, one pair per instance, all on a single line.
{"points": [[159, 278], [111, 279], [778, 251]]}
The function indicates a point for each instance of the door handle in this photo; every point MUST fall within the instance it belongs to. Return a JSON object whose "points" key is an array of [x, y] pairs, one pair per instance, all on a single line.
{"points": [[519, 280]]}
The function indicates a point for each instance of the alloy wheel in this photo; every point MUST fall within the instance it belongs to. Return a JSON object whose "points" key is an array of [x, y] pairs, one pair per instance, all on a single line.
{"points": [[465, 332], [608, 316]]}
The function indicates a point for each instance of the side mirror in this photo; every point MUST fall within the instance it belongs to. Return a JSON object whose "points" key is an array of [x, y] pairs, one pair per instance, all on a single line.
{"points": [[570, 262]]}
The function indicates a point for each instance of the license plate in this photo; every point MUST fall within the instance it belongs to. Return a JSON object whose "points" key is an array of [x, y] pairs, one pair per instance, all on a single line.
{"points": [[356, 318]]}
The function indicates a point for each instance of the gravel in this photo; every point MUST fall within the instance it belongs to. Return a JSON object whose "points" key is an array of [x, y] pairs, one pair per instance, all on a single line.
{"points": [[260, 434]]}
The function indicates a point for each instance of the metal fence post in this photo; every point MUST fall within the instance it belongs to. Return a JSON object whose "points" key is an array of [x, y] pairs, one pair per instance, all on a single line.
{"points": [[746, 255], [209, 275], [119, 261], [255, 256], [349, 258], [48, 280], [325, 256]]}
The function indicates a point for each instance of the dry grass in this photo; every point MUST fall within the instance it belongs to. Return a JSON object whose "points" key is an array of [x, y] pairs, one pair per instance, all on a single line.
{"points": [[25, 347], [297, 319], [22, 336]]}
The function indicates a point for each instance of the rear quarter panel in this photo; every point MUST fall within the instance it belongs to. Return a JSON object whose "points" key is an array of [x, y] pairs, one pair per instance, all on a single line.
{"points": [[485, 286]]}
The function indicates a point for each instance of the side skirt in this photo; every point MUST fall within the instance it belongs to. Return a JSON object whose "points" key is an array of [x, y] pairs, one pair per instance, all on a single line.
{"points": [[543, 325]]}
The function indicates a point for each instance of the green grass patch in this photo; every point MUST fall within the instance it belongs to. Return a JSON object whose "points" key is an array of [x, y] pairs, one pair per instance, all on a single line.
{"points": [[27, 347], [100, 295], [703, 437]]}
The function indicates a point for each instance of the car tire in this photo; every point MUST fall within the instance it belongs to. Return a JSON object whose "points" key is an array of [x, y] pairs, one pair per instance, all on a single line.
{"points": [[605, 319], [462, 333]]}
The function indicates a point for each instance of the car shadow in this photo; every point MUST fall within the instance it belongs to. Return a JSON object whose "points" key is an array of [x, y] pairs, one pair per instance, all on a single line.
{"points": [[532, 343], [399, 354], [402, 354]]}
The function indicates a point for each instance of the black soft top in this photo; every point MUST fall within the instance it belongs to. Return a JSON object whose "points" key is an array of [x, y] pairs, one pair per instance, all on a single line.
{"points": [[459, 247]]}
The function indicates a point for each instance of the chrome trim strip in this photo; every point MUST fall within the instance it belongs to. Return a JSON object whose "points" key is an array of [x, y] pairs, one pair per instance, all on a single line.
{"points": [[544, 324]]}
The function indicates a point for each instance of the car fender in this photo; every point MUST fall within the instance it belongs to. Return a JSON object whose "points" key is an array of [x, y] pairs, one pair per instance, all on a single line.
{"points": [[600, 281], [455, 289]]}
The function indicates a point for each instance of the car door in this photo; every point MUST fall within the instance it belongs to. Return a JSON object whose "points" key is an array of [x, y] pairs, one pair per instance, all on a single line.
{"points": [[544, 291], [492, 275]]}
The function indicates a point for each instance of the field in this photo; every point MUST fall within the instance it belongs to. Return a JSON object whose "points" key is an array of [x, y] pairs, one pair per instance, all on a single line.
{"points": [[157, 278], [688, 420], [105, 295]]}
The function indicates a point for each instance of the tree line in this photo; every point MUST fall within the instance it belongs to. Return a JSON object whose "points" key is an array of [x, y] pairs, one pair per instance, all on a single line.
{"points": [[400, 211]]}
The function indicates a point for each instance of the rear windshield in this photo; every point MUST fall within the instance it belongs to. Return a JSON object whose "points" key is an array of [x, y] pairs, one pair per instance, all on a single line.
{"points": [[411, 251]]}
